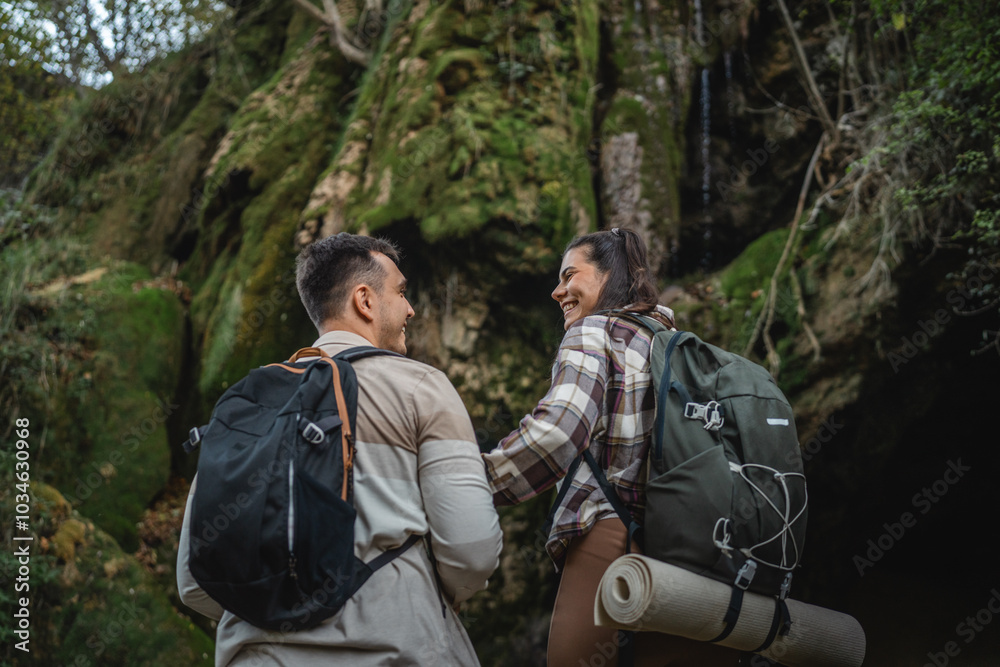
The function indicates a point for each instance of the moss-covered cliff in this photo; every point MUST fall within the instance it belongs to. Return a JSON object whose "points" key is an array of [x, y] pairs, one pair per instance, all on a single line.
{"points": [[149, 265]]}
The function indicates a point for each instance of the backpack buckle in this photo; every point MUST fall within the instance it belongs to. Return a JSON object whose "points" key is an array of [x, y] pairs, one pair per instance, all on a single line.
{"points": [[710, 413], [786, 586], [745, 576], [194, 437], [313, 434]]}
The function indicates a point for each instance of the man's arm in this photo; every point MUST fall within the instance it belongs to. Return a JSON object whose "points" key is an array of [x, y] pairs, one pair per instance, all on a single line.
{"points": [[464, 527], [191, 593]]}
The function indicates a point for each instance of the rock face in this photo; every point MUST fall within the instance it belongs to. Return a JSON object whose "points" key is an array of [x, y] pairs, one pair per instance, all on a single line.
{"points": [[481, 138], [471, 115], [93, 603]]}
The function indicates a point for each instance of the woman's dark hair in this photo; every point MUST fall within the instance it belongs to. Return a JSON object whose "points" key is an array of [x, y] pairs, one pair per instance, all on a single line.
{"points": [[621, 255]]}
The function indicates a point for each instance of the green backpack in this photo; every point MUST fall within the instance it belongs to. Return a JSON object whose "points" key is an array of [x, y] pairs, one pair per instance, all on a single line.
{"points": [[726, 496]]}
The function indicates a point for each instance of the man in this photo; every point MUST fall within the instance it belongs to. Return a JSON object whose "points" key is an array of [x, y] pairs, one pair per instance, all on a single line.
{"points": [[417, 470]]}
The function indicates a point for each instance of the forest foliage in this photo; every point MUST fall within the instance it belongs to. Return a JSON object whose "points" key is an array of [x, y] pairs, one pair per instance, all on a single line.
{"points": [[937, 135]]}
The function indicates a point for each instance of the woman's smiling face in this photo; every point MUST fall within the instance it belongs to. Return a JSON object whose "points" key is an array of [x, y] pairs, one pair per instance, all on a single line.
{"points": [[579, 287]]}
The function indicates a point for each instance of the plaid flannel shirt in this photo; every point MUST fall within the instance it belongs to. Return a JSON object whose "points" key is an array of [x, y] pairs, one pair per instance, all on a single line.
{"points": [[601, 397]]}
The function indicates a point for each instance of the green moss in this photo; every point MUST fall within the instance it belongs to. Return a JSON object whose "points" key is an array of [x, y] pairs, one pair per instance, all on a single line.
{"points": [[587, 43], [651, 99], [97, 375], [100, 606], [469, 59], [455, 146], [752, 270], [121, 396], [64, 540], [435, 31], [300, 29], [734, 297], [245, 308], [108, 163]]}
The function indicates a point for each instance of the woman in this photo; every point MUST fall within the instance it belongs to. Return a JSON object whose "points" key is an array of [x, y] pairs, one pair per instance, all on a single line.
{"points": [[600, 398]]}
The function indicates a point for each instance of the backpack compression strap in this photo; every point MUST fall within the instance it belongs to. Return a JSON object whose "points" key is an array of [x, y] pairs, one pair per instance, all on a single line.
{"points": [[390, 554]]}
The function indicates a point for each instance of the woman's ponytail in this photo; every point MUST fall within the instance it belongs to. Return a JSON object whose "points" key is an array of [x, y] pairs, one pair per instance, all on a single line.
{"points": [[642, 292], [621, 255]]}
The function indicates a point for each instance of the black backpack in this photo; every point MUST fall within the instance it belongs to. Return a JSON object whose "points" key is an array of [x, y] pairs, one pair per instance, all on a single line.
{"points": [[726, 494], [272, 519]]}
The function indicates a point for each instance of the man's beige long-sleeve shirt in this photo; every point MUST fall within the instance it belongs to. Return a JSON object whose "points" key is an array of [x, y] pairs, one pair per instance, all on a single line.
{"points": [[417, 470]]}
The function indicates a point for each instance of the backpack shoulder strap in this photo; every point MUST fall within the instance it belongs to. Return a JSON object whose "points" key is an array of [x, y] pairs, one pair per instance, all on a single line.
{"points": [[350, 354], [634, 529], [353, 354], [644, 320], [633, 526], [563, 490]]}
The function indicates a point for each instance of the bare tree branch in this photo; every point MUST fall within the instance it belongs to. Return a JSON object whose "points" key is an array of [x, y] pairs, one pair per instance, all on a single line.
{"points": [[313, 11], [800, 308], [331, 17], [766, 317], [330, 9], [811, 88]]}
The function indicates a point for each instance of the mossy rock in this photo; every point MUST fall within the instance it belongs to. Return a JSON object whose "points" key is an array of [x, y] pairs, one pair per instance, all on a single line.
{"points": [[126, 166], [94, 604], [450, 137], [752, 270], [98, 375], [245, 311]]}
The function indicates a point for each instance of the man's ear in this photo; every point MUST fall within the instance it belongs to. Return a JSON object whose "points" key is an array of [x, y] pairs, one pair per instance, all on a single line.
{"points": [[363, 302]]}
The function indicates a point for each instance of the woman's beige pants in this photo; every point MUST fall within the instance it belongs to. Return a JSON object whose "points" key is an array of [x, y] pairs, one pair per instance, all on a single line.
{"points": [[574, 640]]}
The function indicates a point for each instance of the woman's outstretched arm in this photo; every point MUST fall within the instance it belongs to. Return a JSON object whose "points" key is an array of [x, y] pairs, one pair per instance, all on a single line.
{"points": [[539, 452]]}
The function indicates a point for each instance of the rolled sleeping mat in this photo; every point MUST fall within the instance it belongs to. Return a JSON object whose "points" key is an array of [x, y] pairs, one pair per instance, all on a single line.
{"points": [[644, 594]]}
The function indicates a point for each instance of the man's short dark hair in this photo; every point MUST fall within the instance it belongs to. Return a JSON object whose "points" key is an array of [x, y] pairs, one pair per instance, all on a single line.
{"points": [[329, 269]]}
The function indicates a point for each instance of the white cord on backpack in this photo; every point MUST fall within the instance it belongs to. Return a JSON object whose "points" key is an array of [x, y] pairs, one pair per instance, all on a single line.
{"points": [[723, 544], [786, 531]]}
